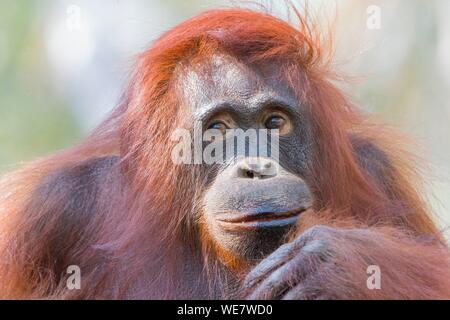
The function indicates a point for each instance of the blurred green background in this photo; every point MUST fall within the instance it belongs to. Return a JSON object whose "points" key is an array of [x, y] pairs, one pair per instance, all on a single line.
{"points": [[63, 65]]}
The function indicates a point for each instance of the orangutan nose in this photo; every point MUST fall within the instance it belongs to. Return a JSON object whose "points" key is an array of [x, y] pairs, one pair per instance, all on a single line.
{"points": [[257, 168]]}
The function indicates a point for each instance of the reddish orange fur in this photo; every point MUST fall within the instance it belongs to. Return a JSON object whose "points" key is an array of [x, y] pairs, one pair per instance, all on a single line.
{"points": [[150, 210]]}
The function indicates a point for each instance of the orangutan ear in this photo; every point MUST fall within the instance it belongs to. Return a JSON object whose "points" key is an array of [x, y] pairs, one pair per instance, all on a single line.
{"points": [[372, 159]]}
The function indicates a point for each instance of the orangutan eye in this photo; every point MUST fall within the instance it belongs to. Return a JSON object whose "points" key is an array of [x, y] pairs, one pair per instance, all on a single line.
{"points": [[275, 122], [219, 125]]}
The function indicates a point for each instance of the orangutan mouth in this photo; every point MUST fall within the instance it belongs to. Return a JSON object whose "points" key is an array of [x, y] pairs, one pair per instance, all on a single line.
{"points": [[260, 219]]}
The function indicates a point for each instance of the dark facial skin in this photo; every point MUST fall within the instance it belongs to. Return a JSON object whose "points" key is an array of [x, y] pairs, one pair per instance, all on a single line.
{"points": [[250, 203]]}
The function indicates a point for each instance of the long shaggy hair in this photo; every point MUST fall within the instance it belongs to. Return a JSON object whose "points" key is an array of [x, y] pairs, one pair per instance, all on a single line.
{"points": [[140, 213]]}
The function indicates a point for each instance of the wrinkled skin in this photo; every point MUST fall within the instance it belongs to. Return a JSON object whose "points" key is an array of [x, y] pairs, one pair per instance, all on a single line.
{"points": [[294, 271], [227, 91], [239, 95]]}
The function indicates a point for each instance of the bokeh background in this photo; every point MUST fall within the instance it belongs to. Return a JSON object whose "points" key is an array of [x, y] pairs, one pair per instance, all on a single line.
{"points": [[63, 65]]}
